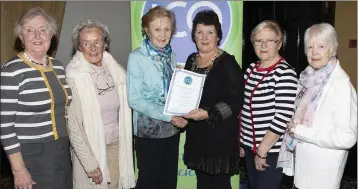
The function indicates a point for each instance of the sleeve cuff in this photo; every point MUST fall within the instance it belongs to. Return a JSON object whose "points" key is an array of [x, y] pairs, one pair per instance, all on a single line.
{"points": [[90, 165], [219, 112], [276, 131], [13, 150], [167, 118], [304, 133], [224, 110]]}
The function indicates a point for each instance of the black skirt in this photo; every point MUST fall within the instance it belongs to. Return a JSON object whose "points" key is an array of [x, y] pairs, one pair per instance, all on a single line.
{"points": [[212, 150], [49, 163]]}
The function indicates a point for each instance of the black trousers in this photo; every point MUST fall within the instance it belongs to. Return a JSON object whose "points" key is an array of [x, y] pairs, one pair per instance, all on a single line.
{"points": [[157, 161], [49, 163], [206, 181], [267, 179]]}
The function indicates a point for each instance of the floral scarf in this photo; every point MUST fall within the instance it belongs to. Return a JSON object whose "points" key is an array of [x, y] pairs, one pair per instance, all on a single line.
{"points": [[164, 56], [311, 84]]}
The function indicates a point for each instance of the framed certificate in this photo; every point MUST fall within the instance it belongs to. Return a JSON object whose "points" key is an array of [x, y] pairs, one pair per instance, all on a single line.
{"points": [[184, 92]]}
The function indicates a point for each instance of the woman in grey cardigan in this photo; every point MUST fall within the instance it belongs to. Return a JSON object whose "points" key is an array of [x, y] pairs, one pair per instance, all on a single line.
{"points": [[34, 97]]}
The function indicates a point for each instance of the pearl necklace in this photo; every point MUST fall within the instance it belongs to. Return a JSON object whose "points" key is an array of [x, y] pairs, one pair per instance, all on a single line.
{"points": [[29, 59]]}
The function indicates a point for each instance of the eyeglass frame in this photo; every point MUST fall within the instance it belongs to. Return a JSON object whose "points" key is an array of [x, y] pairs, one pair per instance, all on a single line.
{"points": [[38, 30], [105, 90], [99, 44], [266, 41]]}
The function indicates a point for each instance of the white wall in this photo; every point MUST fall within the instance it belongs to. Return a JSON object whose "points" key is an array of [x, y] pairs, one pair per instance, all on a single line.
{"points": [[115, 14]]}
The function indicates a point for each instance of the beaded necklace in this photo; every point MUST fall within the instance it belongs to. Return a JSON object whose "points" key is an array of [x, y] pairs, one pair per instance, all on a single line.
{"points": [[29, 59], [207, 69]]}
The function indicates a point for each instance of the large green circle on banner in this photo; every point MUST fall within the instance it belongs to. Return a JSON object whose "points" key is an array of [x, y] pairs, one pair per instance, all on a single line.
{"points": [[233, 43]]}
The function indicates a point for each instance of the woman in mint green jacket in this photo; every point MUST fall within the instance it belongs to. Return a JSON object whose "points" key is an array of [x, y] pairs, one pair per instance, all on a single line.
{"points": [[149, 71]]}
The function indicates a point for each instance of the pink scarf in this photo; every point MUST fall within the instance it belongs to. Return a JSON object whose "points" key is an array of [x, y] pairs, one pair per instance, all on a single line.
{"points": [[311, 84]]}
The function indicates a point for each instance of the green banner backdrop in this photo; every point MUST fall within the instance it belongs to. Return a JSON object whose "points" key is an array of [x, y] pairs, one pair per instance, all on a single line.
{"points": [[230, 16]]}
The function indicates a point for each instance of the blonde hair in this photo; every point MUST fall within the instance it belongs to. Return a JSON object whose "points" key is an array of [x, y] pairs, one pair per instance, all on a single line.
{"points": [[270, 24], [158, 12]]}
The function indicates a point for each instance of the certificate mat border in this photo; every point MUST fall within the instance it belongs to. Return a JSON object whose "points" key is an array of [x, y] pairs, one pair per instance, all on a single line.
{"points": [[176, 70]]}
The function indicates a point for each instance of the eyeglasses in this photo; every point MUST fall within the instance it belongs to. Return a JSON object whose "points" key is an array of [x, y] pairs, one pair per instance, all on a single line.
{"points": [[30, 31], [96, 44], [269, 42]]}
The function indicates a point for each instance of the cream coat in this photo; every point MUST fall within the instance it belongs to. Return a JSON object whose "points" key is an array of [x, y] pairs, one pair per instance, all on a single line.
{"points": [[322, 154], [86, 127]]}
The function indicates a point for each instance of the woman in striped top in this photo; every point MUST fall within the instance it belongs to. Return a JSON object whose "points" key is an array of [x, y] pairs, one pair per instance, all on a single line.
{"points": [[34, 96], [270, 91]]}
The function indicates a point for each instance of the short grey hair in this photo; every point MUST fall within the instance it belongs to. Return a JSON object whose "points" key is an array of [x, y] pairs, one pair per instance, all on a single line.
{"points": [[326, 32], [87, 25], [29, 15]]}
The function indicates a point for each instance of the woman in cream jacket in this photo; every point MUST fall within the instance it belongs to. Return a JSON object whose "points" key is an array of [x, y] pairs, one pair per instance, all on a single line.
{"points": [[325, 120], [99, 125]]}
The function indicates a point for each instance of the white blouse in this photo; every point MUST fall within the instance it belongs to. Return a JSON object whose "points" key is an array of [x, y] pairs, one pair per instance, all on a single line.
{"points": [[109, 102]]}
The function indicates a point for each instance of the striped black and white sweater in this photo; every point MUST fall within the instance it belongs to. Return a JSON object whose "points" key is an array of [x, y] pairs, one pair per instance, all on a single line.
{"points": [[271, 106], [33, 103]]}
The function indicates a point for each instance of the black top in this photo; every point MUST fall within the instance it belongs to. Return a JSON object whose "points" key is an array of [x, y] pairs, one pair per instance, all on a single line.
{"points": [[212, 145]]}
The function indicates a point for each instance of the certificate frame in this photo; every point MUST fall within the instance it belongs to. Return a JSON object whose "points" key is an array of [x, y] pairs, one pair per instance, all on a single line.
{"points": [[187, 80]]}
